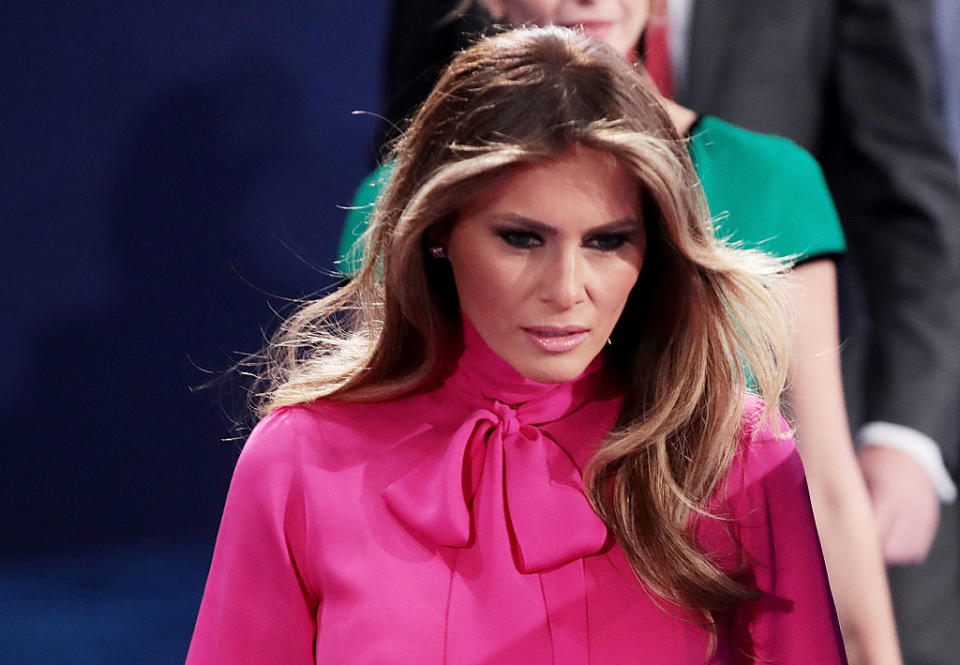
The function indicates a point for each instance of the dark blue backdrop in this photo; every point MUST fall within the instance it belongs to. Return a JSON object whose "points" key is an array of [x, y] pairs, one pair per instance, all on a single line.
{"points": [[167, 169]]}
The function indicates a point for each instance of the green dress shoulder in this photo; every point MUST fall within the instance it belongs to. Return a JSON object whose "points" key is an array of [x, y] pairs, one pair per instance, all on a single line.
{"points": [[358, 218], [764, 192]]}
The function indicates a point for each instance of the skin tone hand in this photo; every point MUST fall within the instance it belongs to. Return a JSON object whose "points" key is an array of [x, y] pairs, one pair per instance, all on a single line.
{"points": [[905, 503]]}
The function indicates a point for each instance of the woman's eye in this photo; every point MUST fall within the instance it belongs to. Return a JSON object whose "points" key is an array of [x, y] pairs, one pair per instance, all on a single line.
{"points": [[608, 242], [521, 239]]}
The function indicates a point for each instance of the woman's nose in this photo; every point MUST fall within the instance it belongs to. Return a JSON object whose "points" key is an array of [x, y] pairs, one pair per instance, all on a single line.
{"points": [[563, 280]]}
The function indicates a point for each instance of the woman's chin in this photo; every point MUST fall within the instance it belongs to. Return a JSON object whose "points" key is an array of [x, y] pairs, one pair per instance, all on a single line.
{"points": [[553, 370]]}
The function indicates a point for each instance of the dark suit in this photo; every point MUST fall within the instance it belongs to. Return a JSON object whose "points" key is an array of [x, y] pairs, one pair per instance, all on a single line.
{"points": [[854, 81], [948, 33]]}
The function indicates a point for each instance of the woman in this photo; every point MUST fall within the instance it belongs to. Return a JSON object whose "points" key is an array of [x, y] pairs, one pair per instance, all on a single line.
{"points": [[544, 323], [766, 193]]}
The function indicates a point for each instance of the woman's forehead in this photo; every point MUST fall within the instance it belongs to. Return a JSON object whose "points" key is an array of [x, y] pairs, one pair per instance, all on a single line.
{"points": [[580, 182]]}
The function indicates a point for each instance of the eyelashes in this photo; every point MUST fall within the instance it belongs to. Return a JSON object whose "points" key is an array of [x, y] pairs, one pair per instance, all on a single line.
{"points": [[604, 242], [520, 239], [609, 242]]}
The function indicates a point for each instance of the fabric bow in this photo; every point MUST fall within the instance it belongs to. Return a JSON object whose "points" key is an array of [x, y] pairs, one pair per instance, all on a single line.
{"points": [[547, 517]]}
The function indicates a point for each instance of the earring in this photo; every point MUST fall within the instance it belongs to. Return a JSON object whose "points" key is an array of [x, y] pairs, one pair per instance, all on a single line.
{"points": [[438, 252]]}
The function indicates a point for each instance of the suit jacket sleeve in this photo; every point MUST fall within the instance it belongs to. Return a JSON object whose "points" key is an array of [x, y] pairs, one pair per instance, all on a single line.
{"points": [[898, 194]]}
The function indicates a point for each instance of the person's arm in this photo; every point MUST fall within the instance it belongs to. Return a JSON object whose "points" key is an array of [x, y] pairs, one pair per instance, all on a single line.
{"points": [[864, 101], [839, 496], [794, 620], [259, 606]]}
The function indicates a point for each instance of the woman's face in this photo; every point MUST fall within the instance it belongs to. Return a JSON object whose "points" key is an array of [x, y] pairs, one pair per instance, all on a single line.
{"points": [[545, 258], [617, 22]]}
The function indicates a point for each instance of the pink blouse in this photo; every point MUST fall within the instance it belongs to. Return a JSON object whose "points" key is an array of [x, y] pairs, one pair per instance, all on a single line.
{"points": [[451, 527]]}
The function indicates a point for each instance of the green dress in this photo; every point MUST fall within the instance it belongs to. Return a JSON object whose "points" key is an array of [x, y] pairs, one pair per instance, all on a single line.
{"points": [[764, 192]]}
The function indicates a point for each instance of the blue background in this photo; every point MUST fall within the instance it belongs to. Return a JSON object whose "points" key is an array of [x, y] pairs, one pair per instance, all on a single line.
{"points": [[171, 174]]}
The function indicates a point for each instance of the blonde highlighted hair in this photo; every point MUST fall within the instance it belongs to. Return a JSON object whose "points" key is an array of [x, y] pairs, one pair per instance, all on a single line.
{"points": [[700, 312]]}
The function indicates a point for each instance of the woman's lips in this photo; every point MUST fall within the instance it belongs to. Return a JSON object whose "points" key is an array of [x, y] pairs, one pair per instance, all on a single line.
{"points": [[557, 340]]}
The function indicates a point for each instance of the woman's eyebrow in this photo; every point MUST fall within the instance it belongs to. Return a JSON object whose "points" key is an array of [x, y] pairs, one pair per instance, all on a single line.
{"points": [[530, 224], [617, 226]]}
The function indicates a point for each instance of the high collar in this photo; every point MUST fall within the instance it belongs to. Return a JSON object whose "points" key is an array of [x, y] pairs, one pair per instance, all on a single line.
{"points": [[481, 372], [505, 456]]}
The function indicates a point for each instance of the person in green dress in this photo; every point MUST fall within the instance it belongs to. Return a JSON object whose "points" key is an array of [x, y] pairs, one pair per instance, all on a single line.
{"points": [[767, 193]]}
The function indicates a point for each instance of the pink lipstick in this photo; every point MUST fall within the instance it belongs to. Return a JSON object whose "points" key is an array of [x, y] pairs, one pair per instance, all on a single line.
{"points": [[554, 339]]}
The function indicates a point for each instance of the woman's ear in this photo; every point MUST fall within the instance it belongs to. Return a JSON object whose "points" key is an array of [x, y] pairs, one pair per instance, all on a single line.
{"points": [[438, 235]]}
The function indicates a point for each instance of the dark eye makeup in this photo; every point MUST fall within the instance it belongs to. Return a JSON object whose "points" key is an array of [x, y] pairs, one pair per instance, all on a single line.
{"points": [[520, 239], [608, 242], [524, 239]]}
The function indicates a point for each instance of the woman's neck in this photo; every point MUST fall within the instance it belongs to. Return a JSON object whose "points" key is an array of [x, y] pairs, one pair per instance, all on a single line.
{"points": [[682, 117]]}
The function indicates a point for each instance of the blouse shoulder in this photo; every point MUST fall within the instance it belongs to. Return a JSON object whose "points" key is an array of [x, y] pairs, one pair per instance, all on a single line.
{"points": [[288, 434], [313, 449], [331, 435], [764, 447], [765, 191], [278, 437], [272, 458]]}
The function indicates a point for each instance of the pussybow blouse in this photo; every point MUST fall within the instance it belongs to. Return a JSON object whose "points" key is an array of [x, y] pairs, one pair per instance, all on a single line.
{"points": [[451, 527]]}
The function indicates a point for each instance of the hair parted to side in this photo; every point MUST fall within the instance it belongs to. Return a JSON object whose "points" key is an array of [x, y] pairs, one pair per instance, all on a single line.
{"points": [[700, 312]]}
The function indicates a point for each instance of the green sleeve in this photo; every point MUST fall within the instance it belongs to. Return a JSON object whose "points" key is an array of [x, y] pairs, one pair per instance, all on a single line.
{"points": [[765, 192], [358, 218]]}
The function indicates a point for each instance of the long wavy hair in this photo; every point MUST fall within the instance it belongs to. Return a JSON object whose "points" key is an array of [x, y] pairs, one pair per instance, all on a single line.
{"points": [[701, 311]]}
